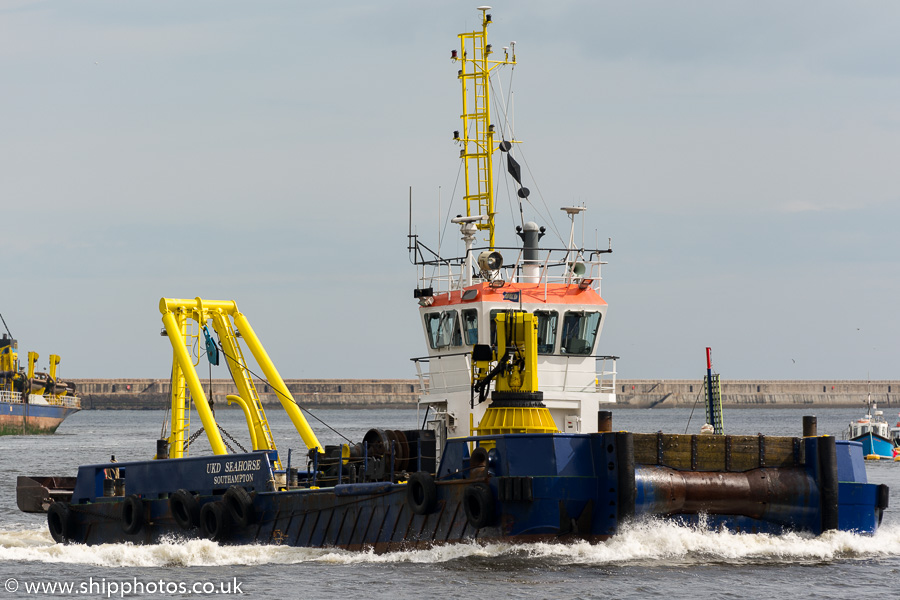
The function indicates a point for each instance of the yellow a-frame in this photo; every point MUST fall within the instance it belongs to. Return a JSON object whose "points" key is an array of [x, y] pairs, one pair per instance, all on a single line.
{"points": [[177, 317]]}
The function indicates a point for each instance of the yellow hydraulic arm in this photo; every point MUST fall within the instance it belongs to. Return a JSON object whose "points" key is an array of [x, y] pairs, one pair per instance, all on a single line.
{"points": [[513, 366], [54, 362], [9, 358], [32, 386], [32, 362], [517, 334], [516, 404], [175, 316]]}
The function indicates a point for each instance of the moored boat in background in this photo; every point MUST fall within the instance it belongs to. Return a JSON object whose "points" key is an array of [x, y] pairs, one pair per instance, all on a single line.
{"points": [[874, 433], [31, 402]]}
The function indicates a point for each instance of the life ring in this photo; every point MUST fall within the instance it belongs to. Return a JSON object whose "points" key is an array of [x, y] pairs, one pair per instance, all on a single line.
{"points": [[421, 493], [132, 514], [240, 505], [478, 502], [185, 509], [58, 517], [214, 520]]}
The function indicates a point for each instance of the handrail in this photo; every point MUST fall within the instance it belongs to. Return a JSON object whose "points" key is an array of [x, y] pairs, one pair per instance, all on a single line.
{"points": [[461, 260], [426, 358], [553, 263], [9, 397]]}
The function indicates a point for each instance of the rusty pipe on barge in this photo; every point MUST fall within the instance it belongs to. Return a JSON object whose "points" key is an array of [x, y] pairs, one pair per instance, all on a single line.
{"points": [[785, 495]]}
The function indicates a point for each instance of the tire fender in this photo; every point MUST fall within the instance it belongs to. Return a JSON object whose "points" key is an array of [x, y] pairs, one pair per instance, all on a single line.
{"points": [[132, 514], [214, 520], [240, 505], [478, 502], [58, 521], [421, 493], [185, 509]]}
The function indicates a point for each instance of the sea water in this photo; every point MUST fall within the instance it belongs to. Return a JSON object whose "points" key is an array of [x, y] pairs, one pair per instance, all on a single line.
{"points": [[649, 558]]}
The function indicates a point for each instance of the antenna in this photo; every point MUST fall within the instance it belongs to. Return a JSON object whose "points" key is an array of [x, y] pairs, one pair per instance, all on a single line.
{"points": [[572, 211], [4, 325], [409, 237], [439, 221], [583, 208]]}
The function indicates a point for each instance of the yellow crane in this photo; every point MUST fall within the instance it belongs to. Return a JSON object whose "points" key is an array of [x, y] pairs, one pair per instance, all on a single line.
{"points": [[185, 324]]}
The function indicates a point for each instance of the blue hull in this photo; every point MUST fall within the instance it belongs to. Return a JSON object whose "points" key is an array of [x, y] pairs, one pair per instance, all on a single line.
{"points": [[531, 487], [875, 444], [17, 418]]}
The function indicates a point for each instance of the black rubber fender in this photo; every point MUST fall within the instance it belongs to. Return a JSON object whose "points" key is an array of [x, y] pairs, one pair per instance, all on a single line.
{"points": [[883, 495], [421, 493], [132, 514], [185, 509], [59, 518], [625, 475], [240, 505], [214, 520], [828, 482], [478, 502]]}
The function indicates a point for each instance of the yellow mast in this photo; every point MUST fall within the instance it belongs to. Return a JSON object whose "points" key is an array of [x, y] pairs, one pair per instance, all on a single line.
{"points": [[477, 136]]}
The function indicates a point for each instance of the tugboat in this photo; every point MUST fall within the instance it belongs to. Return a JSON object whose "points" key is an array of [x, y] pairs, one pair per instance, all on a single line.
{"points": [[513, 448], [31, 402]]}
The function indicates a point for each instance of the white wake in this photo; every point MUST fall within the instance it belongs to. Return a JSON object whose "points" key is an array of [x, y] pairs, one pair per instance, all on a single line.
{"points": [[654, 542]]}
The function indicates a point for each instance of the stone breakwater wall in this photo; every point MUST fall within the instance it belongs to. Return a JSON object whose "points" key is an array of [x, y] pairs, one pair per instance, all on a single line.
{"points": [[399, 393], [667, 393], [151, 394]]}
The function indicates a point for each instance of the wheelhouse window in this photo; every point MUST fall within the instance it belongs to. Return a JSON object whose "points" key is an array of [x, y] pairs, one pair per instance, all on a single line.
{"points": [[470, 326], [546, 330], [443, 329], [579, 332]]}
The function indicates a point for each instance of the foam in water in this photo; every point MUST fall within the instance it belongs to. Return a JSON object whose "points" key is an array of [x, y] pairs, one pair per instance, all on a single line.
{"points": [[647, 542]]}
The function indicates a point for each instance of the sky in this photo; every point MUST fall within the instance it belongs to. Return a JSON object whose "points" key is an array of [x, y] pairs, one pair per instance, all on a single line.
{"points": [[741, 156]]}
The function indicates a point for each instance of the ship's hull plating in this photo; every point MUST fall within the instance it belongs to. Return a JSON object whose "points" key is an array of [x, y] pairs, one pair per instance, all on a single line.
{"points": [[381, 522], [30, 419], [552, 487], [875, 445]]}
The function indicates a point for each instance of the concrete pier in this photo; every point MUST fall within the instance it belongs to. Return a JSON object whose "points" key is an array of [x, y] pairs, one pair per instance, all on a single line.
{"points": [[663, 393], [148, 394], [401, 393]]}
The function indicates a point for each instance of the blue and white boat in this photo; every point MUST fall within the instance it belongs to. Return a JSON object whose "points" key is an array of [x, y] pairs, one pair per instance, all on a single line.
{"points": [[874, 433]]}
